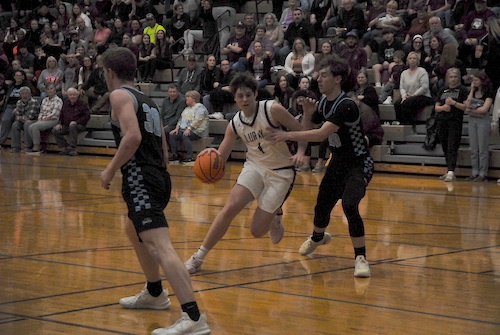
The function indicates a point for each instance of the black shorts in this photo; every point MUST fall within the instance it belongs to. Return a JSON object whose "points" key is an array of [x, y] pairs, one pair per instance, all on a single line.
{"points": [[146, 191]]}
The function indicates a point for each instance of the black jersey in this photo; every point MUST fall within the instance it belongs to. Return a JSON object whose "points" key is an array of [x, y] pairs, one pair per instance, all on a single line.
{"points": [[150, 152], [348, 142]]}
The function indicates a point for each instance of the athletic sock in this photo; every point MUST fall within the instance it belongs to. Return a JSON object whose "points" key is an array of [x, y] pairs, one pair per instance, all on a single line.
{"points": [[191, 308], [316, 237], [201, 253], [155, 288], [360, 252]]}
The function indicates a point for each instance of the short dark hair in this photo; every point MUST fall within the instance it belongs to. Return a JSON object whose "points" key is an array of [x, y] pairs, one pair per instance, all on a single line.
{"points": [[242, 80], [122, 61], [338, 66]]}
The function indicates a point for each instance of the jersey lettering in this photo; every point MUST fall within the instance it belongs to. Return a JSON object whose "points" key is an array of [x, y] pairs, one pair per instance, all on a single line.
{"points": [[153, 124]]}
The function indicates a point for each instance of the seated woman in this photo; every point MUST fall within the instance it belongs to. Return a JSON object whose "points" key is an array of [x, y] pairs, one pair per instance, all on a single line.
{"points": [[145, 52], [365, 92], [283, 92], [274, 31], [192, 125], [298, 63], [160, 58], [210, 76], [415, 91], [259, 64], [202, 30]]}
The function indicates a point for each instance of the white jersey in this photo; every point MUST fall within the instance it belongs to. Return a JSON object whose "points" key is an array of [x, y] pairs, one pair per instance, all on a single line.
{"points": [[263, 153]]}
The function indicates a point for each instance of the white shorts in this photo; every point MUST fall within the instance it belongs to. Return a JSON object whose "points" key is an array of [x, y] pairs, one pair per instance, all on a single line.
{"points": [[269, 187]]}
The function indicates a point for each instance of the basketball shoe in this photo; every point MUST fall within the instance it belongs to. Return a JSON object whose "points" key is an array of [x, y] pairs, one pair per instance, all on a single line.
{"points": [[277, 230], [185, 326], [144, 300], [361, 267], [309, 245], [193, 264]]}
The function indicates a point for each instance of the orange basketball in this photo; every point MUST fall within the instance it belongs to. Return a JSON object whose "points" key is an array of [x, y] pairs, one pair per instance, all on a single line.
{"points": [[209, 167]]}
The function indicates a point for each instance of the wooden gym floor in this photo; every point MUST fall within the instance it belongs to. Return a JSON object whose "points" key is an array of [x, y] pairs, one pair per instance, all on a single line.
{"points": [[434, 250]]}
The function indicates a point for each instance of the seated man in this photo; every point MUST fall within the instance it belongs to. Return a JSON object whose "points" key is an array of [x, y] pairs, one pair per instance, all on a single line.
{"points": [[73, 120], [26, 113], [192, 126]]}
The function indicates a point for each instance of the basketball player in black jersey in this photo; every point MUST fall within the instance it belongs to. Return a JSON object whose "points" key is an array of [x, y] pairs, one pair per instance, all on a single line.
{"points": [[142, 154], [351, 166]]}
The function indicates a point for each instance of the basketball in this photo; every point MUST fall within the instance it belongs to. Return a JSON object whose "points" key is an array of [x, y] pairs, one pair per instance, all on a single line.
{"points": [[209, 167]]}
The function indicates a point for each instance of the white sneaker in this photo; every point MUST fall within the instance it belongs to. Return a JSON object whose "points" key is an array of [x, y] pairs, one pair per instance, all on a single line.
{"points": [[216, 115], [387, 101], [193, 264], [185, 326], [144, 300], [318, 168], [277, 230], [449, 177], [361, 267], [309, 245]]}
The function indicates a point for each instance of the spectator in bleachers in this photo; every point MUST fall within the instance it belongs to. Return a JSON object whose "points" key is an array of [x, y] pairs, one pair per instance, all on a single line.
{"points": [[70, 74], [237, 45], [436, 30], [319, 9], [408, 10], [171, 108], [192, 125], [190, 8], [39, 64], [250, 26], [44, 16], [51, 74], [47, 118], [355, 56], [298, 28], [201, 30], [447, 61], [493, 50], [127, 43], [62, 17], [178, 25], [85, 32], [153, 27], [224, 12], [189, 77], [434, 56], [9, 102], [283, 92], [27, 60], [123, 9], [53, 39], [135, 30], [377, 8], [145, 52], [274, 31], [117, 32], [418, 26], [101, 35], [11, 32], [473, 32], [72, 120], [25, 113], [266, 46], [478, 106], [161, 57], [385, 54], [415, 91], [449, 109], [259, 65], [349, 17], [325, 51], [382, 23], [95, 89], [417, 45], [83, 76], [370, 121], [32, 36], [365, 92], [298, 63], [89, 8], [286, 17], [77, 13], [210, 76], [75, 41], [297, 99], [385, 96], [221, 95]]}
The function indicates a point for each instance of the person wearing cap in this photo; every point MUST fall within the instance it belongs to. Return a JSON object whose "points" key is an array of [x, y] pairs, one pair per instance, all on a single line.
{"points": [[152, 27], [189, 77], [385, 57], [76, 40], [237, 44], [473, 32], [355, 56]]}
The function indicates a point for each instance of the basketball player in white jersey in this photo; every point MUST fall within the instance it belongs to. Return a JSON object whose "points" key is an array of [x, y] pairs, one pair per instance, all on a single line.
{"points": [[268, 172]]}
